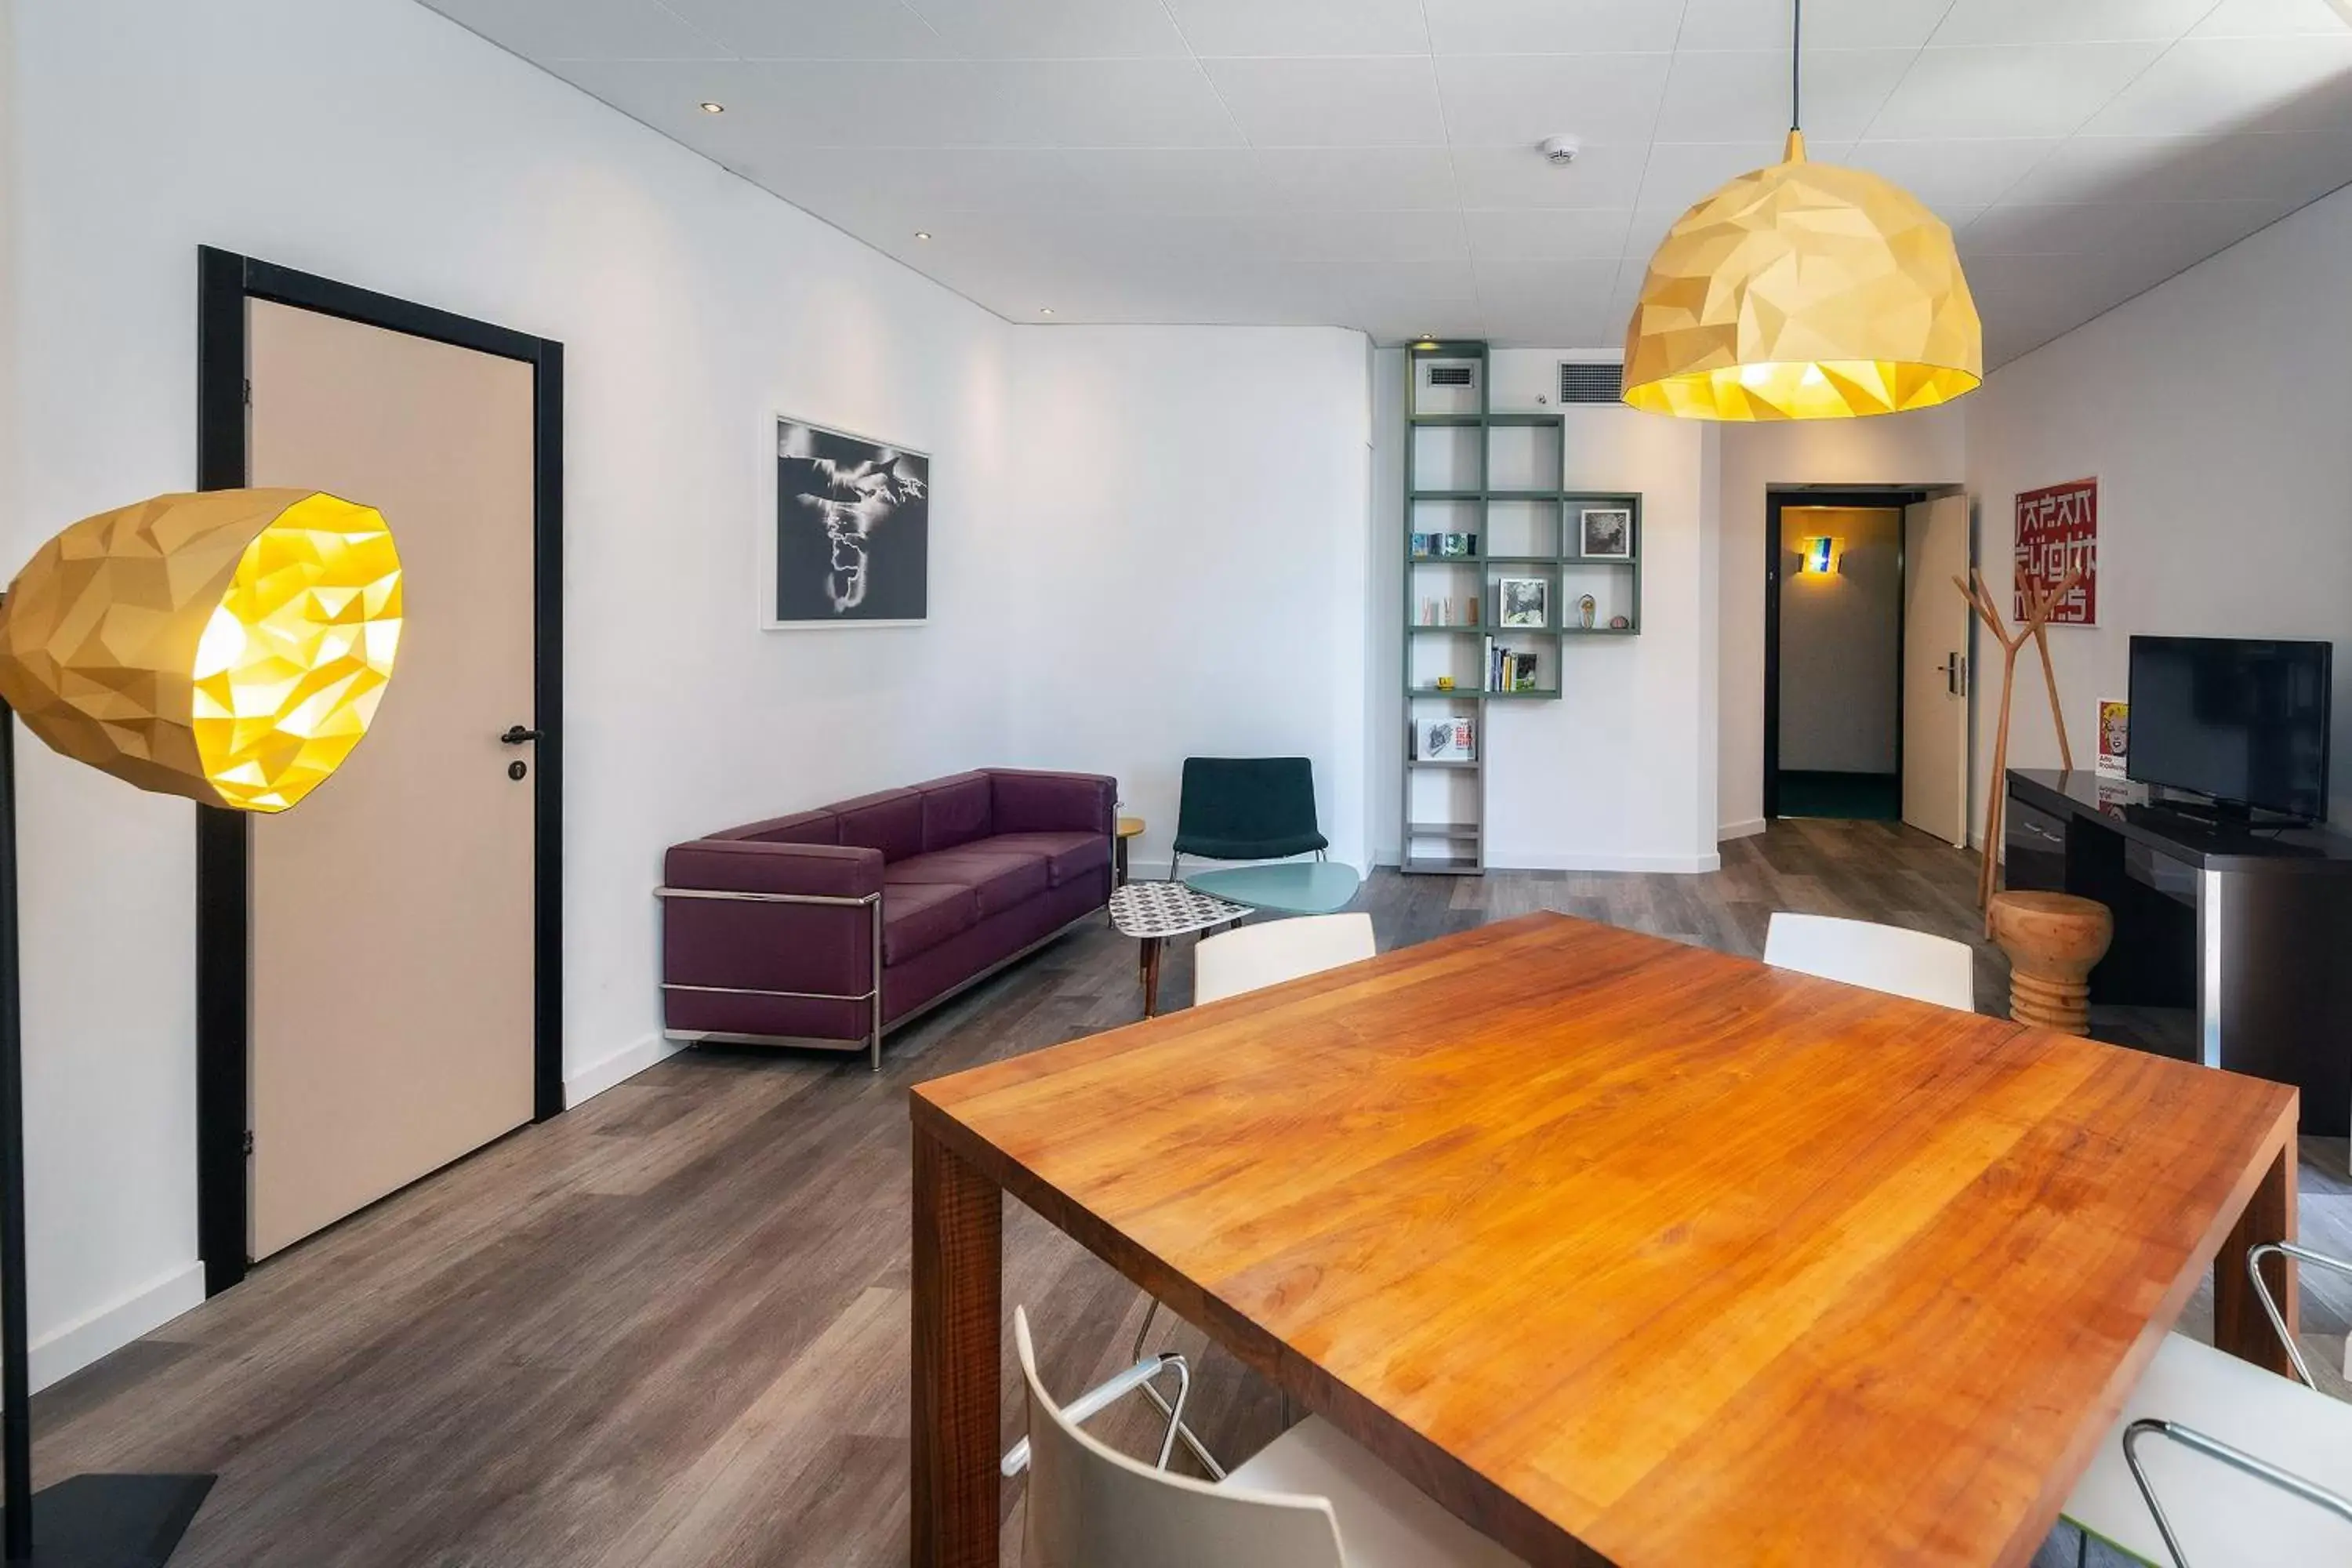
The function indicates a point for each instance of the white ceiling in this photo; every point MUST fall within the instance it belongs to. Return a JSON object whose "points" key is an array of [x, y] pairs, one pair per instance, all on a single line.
{"points": [[1371, 162]]}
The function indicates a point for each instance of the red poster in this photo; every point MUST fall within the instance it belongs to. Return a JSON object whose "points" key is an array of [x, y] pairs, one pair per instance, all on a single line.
{"points": [[2057, 534]]}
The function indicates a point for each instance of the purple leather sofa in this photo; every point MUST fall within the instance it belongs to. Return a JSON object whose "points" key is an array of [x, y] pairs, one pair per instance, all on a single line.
{"points": [[829, 927]]}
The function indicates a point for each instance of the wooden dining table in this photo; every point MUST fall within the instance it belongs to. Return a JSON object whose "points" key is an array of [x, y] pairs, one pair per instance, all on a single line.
{"points": [[1624, 1251]]}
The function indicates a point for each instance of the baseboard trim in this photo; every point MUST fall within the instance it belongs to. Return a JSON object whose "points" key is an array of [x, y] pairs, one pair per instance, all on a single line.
{"points": [[1512, 860], [101, 1333], [1746, 829], [619, 1067]]}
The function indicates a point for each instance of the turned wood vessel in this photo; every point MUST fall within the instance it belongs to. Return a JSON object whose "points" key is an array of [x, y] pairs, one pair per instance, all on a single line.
{"points": [[2052, 941]]}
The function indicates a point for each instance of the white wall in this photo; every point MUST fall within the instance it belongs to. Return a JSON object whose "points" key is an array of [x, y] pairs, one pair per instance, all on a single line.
{"points": [[1192, 575], [374, 142], [1616, 774], [2212, 411], [1925, 449]]}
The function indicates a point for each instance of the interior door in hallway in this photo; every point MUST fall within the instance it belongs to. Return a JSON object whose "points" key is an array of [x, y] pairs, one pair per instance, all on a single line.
{"points": [[392, 935], [1935, 669]]}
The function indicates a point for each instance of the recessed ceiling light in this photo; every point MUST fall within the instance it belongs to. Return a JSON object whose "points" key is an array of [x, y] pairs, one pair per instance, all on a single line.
{"points": [[710, 108], [1045, 309], [922, 234]]}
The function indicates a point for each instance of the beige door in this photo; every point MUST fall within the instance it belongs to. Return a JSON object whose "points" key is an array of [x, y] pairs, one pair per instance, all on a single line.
{"points": [[392, 949], [1935, 669]]}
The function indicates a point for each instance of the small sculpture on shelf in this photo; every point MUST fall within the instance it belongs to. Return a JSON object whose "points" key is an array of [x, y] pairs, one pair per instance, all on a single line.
{"points": [[1619, 623], [1585, 610]]}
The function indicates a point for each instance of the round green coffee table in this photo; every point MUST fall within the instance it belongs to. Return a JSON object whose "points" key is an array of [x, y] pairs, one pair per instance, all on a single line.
{"points": [[1288, 887]]}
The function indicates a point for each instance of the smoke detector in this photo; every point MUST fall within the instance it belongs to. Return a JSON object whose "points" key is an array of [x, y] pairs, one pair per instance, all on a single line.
{"points": [[1561, 151]]}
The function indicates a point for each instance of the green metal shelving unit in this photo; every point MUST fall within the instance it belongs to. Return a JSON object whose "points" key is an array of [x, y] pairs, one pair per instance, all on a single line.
{"points": [[1449, 845]]}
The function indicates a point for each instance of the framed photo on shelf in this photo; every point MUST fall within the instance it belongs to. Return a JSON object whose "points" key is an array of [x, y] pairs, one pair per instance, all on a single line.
{"points": [[1606, 533], [1523, 602], [849, 544]]}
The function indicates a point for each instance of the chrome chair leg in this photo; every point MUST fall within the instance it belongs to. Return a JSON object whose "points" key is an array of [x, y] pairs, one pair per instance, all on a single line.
{"points": [[1177, 1430]]}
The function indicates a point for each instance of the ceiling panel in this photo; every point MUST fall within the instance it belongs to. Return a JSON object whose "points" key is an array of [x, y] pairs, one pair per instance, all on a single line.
{"points": [[1373, 101], [590, 29], [1601, 176], [1372, 162], [1547, 234], [1122, 103], [2215, 85], [1829, 24], [1740, 94], [2067, 21], [1552, 26], [1301, 26], [2043, 89], [1517, 100], [1947, 174], [1053, 29], [801, 29]]}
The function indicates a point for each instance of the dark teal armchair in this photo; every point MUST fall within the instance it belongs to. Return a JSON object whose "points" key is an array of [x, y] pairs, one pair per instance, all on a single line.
{"points": [[1247, 809]]}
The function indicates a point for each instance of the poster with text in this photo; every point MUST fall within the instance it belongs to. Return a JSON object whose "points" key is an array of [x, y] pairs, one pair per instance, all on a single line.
{"points": [[2058, 534]]}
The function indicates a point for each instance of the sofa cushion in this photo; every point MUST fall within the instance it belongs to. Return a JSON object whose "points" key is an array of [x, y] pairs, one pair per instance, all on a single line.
{"points": [[1067, 855], [890, 821], [918, 916], [1003, 878], [801, 827], [955, 810]]}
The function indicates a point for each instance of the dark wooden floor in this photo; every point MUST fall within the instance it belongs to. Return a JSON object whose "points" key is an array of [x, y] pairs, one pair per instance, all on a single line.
{"points": [[669, 1328]]}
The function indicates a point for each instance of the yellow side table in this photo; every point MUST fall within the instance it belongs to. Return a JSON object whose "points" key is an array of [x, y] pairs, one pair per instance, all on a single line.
{"points": [[1128, 828]]}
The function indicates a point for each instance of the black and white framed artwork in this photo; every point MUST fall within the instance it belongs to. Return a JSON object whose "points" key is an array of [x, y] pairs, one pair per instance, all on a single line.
{"points": [[850, 544], [1607, 533]]}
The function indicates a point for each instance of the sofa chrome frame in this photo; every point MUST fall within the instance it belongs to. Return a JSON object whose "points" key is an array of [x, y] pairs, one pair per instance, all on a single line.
{"points": [[871, 1042], [2212, 1447], [871, 996]]}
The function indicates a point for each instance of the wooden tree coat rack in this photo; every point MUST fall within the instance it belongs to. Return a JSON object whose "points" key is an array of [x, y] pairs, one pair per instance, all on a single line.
{"points": [[2038, 605]]}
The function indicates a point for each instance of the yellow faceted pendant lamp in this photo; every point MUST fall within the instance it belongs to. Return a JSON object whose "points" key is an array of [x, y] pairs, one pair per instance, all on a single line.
{"points": [[1803, 291], [230, 646]]}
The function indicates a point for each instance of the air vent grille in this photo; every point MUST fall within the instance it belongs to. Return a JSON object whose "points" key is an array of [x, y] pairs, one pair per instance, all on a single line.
{"points": [[1583, 382], [1452, 376]]}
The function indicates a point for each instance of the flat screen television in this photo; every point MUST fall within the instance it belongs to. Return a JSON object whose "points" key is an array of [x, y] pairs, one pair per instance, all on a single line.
{"points": [[2240, 720]]}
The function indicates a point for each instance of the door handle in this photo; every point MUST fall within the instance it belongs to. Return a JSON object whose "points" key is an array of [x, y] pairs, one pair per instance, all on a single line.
{"points": [[516, 735]]}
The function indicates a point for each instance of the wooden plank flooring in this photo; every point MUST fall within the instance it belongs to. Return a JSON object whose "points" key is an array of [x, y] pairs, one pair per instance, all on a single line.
{"points": [[668, 1329]]}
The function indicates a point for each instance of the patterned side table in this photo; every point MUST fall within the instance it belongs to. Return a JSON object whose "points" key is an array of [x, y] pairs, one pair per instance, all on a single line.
{"points": [[1154, 911]]}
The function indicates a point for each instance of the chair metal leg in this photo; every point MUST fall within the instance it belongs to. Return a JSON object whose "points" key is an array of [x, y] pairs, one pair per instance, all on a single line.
{"points": [[1178, 1430]]}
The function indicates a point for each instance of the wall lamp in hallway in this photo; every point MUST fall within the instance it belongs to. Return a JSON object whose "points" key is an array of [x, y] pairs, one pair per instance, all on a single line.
{"points": [[1820, 557], [230, 646]]}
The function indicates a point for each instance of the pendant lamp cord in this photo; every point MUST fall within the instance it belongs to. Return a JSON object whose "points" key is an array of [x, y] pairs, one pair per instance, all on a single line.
{"points": [[1796, 67]]}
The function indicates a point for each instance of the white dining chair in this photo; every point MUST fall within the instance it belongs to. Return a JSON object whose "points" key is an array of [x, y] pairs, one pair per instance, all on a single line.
{"points": [[1311, 1499], [1249, 957], [2216, 1463], [1884, 958]]}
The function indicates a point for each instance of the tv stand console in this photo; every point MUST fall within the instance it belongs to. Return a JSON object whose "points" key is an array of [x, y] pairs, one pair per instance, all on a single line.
{"points": [[2233, 945]]}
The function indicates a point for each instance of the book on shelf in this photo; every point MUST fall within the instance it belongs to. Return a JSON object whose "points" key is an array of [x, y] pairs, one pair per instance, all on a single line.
{"points": [[1445, 741], [1508, 670]]}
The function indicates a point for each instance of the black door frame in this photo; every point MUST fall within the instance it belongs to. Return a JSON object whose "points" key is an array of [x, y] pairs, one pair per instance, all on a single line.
{"points": [[224, 283], [1857, 498]]}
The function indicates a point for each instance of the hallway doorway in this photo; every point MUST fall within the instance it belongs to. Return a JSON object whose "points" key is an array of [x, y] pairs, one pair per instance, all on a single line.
{"points": [[1865, 700]]}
